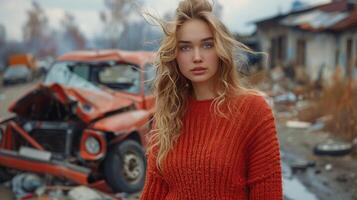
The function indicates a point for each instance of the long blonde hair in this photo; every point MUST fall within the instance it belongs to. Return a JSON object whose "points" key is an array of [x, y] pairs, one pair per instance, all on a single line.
{"points": [[172, 89]]}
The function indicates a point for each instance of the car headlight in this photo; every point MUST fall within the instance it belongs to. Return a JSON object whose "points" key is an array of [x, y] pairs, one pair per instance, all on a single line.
{"points": [[92, 145]]}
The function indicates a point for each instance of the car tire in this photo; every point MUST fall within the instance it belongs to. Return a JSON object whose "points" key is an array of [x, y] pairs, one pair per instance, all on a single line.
{"points": [[332, 149], [125, 167]]}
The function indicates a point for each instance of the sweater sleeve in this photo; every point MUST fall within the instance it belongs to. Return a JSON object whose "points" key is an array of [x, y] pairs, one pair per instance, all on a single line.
{"points": [[155, 187], [264, 176]]}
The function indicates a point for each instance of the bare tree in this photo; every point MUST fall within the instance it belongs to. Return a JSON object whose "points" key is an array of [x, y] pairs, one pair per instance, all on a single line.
{"points": [[116, 18], [72, 38], [37, 33], [139, 35]]}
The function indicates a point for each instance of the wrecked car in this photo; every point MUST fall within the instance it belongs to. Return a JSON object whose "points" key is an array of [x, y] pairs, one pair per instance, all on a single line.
{"points": [[86, 123]]}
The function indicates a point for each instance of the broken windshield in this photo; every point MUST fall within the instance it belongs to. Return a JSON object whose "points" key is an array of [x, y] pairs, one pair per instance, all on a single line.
{"points": [[65, 73], [96, 76]]}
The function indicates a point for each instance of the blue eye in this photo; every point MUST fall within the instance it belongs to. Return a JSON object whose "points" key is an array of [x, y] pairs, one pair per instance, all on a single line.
{"points": [[208, 45], [185, 48]]}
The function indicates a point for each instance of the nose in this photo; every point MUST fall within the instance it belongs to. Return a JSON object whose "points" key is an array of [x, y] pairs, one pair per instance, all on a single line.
{"points": [[197, 57]]}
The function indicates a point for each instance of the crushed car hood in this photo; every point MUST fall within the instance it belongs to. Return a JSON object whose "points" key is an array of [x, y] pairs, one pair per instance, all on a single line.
{"points": [[88, 104]]}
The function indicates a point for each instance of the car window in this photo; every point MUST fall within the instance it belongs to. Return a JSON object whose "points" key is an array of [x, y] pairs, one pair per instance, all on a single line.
{"points": [[81, 71], [60, 73], [120, 76], [149, 75]]}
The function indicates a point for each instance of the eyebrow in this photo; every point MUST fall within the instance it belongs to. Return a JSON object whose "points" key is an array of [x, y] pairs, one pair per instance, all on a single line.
{"points": [[203, 40]]}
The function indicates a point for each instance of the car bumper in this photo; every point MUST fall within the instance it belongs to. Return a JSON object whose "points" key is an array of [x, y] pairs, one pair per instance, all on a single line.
{"points": [[13, 81], [15, 160]]}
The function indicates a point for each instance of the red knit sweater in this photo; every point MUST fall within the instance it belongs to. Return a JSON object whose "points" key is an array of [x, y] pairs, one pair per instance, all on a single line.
{"points": [[219, 158]]}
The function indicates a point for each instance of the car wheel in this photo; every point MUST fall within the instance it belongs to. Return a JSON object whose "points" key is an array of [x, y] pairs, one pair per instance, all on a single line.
{"points": [[333, 149], [125, 166]]}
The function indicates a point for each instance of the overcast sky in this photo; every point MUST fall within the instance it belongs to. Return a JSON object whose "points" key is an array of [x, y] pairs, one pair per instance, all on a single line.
{"points": [[236, 13]]}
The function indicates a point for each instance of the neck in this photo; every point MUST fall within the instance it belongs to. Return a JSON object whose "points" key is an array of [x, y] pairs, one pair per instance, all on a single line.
{"points": [[203, 91]]}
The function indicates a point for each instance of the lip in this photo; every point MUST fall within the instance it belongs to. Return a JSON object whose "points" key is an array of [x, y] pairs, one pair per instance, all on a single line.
{"points": [[197, 69]]}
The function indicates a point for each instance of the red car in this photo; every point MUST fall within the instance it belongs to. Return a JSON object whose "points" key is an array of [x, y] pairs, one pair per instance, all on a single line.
{"points": [[86, 123]]}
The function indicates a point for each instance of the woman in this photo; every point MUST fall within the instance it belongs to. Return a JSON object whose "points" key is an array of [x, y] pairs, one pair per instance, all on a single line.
{"points": [[213, 139]]}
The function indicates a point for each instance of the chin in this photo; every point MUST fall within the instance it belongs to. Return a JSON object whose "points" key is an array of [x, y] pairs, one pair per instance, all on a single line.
{"points": [[200, 79]]}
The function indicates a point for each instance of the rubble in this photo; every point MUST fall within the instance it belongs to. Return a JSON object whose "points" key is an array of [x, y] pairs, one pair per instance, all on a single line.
{"points": [[354, 141], [277, 74], [85, 193], [286, 115], [328, 167], [287, 98], [25, 184], [302, 104], [55, 193], [301, 165], [342, 178], [317, 126], [297, 124]]}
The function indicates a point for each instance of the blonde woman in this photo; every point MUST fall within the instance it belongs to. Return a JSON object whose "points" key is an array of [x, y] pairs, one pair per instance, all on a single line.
{"points": [[212, 138]]}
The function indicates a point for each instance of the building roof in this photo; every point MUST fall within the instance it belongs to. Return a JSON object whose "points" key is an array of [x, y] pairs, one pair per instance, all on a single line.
{"points": [[336, 16]]}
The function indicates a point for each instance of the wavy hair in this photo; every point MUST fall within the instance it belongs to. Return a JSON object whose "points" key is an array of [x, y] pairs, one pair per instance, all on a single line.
{"points": [[172, 89]]}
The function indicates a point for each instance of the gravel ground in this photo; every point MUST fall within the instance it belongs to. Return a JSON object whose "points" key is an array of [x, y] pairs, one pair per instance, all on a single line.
{"points": [[331, 177]]}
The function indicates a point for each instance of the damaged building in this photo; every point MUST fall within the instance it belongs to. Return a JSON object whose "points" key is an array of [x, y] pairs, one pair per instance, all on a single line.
{"points": [[319, 38]]}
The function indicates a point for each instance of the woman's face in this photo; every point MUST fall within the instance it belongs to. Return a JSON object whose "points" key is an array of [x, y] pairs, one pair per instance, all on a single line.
{"points": [[197, 58]]}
